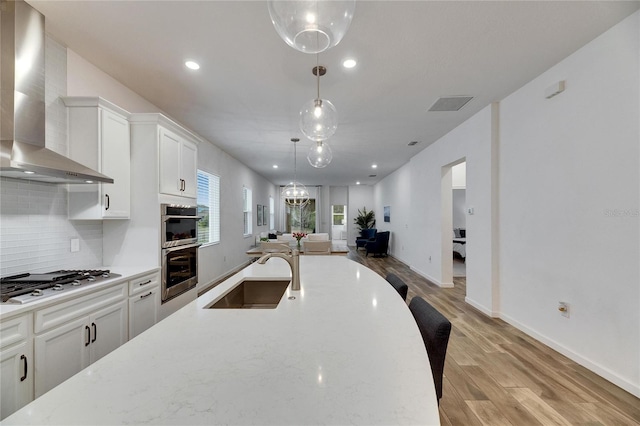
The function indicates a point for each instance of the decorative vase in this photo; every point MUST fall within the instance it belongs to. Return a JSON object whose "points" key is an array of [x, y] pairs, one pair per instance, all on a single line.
{"points": [[298, 245]]}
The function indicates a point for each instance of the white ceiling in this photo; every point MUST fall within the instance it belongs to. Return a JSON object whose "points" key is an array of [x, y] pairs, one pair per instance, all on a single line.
{"points": [[247, 95]]}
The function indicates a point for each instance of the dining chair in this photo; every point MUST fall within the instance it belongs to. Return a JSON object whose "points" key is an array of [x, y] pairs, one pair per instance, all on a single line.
{"points": [[435, 330], [317, 247], [274, 247], [401, 287]]}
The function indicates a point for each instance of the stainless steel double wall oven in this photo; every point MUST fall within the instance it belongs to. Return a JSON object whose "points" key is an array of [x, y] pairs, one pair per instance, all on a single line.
{"points": [[179, 249]]}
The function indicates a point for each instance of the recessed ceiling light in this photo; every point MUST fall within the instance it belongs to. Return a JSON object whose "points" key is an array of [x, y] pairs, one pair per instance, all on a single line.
{"points": [[192, 65], [374, 166], [29, 172], [88, 181], [275, 166], [349, 63], [357, 183]]}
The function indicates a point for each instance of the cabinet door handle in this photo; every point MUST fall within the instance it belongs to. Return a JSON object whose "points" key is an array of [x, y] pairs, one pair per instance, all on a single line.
{"points": [[146, 295], [145, 283], [182, 185], [26, 368], [107, 201], [95, 332], [88, 334]]}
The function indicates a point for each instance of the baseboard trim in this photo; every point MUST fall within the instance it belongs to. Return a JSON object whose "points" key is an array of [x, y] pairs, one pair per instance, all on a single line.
{"points": [[431, 279], [603, 372], [482, 308]]}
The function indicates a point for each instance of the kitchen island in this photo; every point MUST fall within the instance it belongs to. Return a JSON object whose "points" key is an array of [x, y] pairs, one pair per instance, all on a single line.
{"points": [[346, 350]]}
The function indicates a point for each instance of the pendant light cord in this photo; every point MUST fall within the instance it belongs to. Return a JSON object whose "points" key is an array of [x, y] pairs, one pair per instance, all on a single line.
{"points": [[318, 73]]}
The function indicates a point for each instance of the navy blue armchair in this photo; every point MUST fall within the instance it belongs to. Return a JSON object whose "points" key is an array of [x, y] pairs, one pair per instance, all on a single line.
{"points": [[365, 235], [379, 245]]}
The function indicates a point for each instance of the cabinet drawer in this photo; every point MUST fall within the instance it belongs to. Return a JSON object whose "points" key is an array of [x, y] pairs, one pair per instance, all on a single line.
{"points": [[144, 283], [59, 314], [14, 330]]}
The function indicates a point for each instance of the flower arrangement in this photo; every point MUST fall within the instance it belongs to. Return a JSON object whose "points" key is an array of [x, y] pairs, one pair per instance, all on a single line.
{"points": [[298, 236]]}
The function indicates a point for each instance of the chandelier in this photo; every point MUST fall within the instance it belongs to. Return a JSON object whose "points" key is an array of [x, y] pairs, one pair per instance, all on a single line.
{"points": [[311, 26], [295, 193]]}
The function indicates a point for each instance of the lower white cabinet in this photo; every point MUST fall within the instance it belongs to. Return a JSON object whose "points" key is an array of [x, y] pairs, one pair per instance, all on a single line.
{"points": [[144, 301], [64, 350], [16, 365]]}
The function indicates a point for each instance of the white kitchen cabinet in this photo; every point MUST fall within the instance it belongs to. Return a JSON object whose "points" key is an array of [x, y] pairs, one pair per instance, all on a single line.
{"points": [[175, 147], [16, 365], [99, 138], [144, 301], [73, 334], [178, 165]]}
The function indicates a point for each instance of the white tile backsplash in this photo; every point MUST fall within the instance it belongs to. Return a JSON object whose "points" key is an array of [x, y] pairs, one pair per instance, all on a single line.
{"points": [[35, 234]]}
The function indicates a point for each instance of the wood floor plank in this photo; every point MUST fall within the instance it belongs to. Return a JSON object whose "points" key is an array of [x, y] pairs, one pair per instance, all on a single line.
{"points": [[488, 414], [536, 406], [493, 371]]}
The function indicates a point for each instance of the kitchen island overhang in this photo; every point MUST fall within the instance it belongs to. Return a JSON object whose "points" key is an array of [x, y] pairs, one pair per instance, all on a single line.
{"points": [[346, 350]]}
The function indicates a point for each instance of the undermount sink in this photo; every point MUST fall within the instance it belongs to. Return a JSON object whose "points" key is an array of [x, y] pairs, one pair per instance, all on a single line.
{"points": [[253, 294]]}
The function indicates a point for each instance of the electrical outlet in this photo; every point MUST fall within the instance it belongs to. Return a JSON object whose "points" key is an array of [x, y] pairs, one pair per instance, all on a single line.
{"points": [[75, 245], [563, 307]]}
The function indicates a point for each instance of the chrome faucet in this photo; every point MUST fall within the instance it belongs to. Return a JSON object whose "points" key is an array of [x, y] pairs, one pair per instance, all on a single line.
{"points": [[294, 263]]}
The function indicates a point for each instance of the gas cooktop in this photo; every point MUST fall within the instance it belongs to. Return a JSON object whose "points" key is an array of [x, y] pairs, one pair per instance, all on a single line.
{"points": [[25, 288]]}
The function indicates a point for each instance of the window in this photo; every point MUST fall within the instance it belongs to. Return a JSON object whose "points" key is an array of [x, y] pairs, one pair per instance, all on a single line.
{"points": [[246, 208], [208, 208], [301, 219], [338, 215], [272, 214]]}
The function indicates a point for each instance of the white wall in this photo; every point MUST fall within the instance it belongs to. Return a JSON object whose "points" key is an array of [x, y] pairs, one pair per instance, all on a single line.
{"points": [[215, 260], [555, 188], [566, 164], [459, 210], [360, 196], [472, 141], [395, 191]]}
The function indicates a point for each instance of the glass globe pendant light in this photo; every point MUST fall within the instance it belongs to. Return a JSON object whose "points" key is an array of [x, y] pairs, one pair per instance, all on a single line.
{"points": [[320, 155], [295, 193], [318, 117], [311, 26]]}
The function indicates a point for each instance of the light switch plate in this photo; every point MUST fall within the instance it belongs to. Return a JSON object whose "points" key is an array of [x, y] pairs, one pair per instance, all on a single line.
{"points": [[75, 245]]}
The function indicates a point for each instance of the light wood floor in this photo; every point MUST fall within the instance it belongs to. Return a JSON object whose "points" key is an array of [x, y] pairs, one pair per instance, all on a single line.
{"points": [[497, 375]]}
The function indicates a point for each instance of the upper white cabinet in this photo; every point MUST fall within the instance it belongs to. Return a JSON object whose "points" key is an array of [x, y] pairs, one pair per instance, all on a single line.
{"points": [[176, 148], [178, 165], [99, 138]]}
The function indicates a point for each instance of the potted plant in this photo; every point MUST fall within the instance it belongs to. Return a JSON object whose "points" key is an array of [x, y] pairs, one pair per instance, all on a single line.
{"points": [[365, 219]]}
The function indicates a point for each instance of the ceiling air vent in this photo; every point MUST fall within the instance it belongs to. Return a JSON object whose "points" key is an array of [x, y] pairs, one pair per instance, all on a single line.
{"points": [[373, 175], [412, 143], [451, 103]]}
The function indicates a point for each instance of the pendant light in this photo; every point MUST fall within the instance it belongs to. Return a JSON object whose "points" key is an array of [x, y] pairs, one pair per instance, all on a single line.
{"points": [[295, 193], [320, 155], [318, 117], [311, 26]]}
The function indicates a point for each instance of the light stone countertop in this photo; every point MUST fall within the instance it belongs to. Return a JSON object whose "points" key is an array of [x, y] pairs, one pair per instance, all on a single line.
{"points": [[345, 351]]}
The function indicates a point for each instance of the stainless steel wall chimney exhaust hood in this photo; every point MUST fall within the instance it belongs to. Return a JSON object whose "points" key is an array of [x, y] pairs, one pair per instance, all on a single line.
{"points": [[23, 154]]}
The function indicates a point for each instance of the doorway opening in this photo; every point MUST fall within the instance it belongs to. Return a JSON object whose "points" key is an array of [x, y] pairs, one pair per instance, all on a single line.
{"points": [[453, 221], [339, 223]]}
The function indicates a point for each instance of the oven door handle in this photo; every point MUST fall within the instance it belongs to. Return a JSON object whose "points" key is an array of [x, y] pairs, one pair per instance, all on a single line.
{"points": [[168, 217], [187, 246]]}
